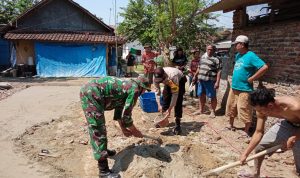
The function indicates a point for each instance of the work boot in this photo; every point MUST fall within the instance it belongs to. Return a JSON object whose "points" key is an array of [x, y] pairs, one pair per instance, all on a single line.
{"points": [[104, 171], [111, 152], [177, 129]]}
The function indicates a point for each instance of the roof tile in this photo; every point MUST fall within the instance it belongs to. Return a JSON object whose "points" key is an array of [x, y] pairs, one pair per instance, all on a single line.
{"points": [[64, 37]]}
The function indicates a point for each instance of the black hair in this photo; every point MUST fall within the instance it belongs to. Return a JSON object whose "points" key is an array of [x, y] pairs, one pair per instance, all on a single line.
{"points": [[213, 46], [262, 96], [246, 45], [196, 51], [179, 49]]}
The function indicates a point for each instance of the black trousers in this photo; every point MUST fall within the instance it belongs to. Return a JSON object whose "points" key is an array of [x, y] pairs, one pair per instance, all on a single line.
{"points": [[167, 96]]}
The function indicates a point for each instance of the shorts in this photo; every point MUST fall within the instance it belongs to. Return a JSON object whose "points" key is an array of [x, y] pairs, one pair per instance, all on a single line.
{"points": [[279, 134], [130, 69], [238, 104], [207, 88], [149, 76]]}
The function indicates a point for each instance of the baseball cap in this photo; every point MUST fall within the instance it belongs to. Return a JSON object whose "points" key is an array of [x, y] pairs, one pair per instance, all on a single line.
{"points": [[159, 75], [241, 39]]}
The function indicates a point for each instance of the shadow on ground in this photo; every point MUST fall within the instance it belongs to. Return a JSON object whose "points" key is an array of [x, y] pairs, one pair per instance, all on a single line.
{"points": [[187, 127], [126, 156]]}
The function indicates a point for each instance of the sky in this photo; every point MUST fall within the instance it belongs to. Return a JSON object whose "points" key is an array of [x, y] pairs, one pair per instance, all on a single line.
{"points": [[105, 9]]}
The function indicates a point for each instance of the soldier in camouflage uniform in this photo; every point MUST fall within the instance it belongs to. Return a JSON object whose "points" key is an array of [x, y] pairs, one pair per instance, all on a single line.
{"points": [[109, 93]]}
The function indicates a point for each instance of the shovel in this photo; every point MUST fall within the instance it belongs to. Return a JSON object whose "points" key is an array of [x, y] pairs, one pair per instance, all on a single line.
{"points": [[237, 163]]}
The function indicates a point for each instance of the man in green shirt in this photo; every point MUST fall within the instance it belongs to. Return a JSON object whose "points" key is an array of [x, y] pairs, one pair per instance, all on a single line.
{"points": [[109, 93], [248, 67]]}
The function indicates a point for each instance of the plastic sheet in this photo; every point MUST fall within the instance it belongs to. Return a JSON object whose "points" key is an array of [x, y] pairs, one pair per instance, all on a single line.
{"points": [[70, 60]]}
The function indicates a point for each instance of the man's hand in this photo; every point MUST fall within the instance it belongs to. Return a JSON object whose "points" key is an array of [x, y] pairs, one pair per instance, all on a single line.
{"points": [[291, 142], [250, 80], [243, 158], [126, 132], [216, 85], [168, 112], [194, 79], [159, 108], [135, 132]]}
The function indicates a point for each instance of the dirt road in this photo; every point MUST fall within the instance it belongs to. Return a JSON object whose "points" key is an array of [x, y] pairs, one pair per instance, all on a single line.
{"points": [[22, 110], [50, 118]]}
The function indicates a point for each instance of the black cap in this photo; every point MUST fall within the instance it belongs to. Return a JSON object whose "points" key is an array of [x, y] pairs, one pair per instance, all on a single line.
{"points": [[159, 75]]}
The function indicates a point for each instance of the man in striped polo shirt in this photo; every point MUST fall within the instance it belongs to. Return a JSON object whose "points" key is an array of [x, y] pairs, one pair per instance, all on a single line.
{"points": [[209, 74]]}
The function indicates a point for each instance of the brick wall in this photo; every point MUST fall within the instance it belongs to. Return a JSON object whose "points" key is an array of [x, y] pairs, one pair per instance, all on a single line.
{"points": [[278, 44]]}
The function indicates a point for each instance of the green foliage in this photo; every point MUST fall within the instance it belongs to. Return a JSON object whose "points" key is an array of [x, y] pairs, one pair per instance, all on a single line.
{"points": [[167, 23], [138, 22], [10, 9]]}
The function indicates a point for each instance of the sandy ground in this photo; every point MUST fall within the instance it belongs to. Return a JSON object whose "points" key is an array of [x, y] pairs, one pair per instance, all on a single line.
{"points": [[22, 110], [43, 134]]}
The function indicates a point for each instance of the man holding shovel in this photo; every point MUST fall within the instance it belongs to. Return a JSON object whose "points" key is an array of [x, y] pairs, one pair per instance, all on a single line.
{"points": [[109, 93], [286, 132], [174, 89]]}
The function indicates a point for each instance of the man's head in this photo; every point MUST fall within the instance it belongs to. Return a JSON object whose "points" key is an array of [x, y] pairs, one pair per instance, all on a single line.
{"points": [[210, 50], [143, 82], [196, 53], [159, 75], [147, 47], [263, 100], [179, 51], [241, 43]]}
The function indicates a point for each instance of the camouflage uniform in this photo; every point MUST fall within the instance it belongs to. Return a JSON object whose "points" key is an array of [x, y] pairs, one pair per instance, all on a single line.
{"points": [[103, 94]]}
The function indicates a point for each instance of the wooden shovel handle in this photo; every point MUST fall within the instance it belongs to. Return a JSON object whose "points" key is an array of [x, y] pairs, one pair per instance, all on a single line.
{"points": [[237, 163]]}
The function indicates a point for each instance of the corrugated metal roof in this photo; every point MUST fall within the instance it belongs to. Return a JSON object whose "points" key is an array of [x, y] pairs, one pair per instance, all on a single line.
{"points": [[229, 5], [65, 37]]}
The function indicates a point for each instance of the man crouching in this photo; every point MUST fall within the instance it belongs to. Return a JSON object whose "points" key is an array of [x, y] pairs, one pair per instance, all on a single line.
{"points": [[109, 93], [285, 132]]}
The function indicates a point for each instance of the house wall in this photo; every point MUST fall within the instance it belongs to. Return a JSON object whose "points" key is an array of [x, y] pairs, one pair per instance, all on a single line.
{"points": [[278, 44], [59, 15], [24, 49]]}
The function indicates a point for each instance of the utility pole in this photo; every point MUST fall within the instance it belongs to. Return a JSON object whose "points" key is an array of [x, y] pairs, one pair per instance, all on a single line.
{"points": [[116, 32], [109, 16]]}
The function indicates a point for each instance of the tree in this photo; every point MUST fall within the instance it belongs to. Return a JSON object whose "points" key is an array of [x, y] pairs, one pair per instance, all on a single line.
{"points": [[10, 9], [138, 22], [167, 23]]}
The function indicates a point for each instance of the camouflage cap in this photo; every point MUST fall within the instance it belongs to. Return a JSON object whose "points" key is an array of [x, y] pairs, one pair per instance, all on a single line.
{"points": [[143, 82]]}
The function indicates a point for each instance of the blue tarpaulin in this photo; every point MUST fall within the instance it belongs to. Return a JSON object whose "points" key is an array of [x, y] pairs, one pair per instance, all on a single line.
{"points": [[4, 52], [70, 60]]}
